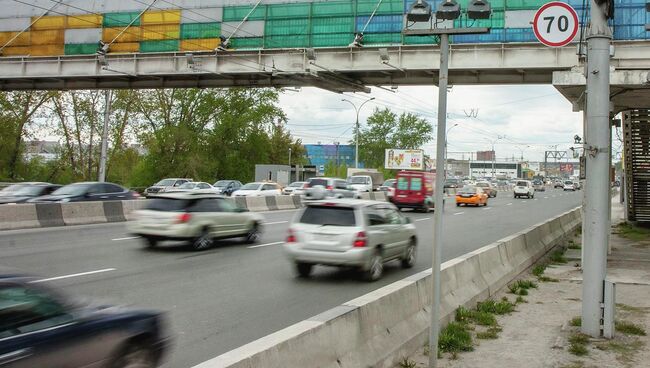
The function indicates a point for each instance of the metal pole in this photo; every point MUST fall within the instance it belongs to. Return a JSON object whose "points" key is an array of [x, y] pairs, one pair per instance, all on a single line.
{"points": [[439, 204], [290, 171], [494, 157], [596, 220], [356, 148], [107, 114]]}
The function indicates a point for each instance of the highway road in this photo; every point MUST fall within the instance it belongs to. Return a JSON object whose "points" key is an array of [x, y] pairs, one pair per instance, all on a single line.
{"points": [[235, 293]]}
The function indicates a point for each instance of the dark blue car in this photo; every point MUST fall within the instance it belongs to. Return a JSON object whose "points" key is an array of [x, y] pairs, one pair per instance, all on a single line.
{"points": [[41, 328]]}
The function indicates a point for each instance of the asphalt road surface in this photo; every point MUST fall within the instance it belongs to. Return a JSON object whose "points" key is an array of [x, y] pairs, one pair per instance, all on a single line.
{"points": [[234, 293]]}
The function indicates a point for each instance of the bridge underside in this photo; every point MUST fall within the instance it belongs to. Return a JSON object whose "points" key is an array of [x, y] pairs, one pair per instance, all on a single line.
{"points": [[334, 69]]}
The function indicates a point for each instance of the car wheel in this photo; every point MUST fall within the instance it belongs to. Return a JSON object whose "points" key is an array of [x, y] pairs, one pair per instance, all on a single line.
{"points": [[457, 204], [150, 242], [135, 355], [254, 234], [425, 208], [203, 241], [376, 268], [304, 269], [495, 195], [410, 255]]}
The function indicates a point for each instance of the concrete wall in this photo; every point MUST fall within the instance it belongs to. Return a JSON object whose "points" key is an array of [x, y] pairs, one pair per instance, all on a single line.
{"points": [[380, 328]]}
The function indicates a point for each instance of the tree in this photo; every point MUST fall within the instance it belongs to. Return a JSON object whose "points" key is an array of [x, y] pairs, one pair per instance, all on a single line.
{"points": [[386, 130]]}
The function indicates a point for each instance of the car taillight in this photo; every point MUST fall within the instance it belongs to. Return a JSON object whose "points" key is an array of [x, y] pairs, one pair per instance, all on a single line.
{"points": [[361, 240], [329, 187], [291, 237], [136, 195], [183, 218]]}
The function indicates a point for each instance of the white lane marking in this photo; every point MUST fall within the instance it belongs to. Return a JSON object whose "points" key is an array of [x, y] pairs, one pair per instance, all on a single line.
{"points": [[264, 245], [458, 213], [127, 238], [487, 208], [524, 201], [535, 199], [275, 223], [509, 204], [73, 275], [423, 219], [545, 197]]}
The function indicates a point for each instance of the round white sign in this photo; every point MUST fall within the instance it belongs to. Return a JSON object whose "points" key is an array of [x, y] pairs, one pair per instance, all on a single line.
{"points": [[555, 24]]}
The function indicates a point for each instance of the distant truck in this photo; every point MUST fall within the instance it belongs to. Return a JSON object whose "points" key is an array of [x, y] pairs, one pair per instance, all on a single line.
{"points": [[365, 181]]}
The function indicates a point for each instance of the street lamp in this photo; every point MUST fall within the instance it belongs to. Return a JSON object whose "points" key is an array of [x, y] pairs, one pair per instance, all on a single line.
{"points": [[522, 151], [356, 150], [420, 11], [494, 154], [290, 170], [446, 148]]}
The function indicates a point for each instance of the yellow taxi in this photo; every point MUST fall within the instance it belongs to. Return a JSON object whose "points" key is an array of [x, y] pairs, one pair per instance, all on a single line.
{"points": [[471, 195]]}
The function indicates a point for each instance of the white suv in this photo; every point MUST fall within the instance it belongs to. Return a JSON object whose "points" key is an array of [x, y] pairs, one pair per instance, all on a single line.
{"points": [[350, 233], [524, 188]]}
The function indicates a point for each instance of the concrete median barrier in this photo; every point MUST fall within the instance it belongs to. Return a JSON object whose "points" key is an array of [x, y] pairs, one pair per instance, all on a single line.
{"points": [[19, 216], [81, 213], [287, 202], [380, 328], [49, 214]]}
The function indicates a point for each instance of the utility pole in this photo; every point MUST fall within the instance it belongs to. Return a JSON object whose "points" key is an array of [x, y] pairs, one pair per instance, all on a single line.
{"points": [[290, 170], [356, 128], [107, 116], [596, 219]]}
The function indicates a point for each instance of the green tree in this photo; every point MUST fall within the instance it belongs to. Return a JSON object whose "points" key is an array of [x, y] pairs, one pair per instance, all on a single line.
{"points": [[385, 130]]}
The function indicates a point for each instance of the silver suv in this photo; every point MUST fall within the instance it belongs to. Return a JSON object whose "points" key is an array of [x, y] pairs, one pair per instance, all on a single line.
{"points": [[350, 233], [322, 188], [165, 185], [197, 218]]}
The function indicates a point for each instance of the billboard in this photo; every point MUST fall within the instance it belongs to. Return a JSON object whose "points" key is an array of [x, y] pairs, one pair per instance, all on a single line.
{"points": [[397, 159], [566, 168]]}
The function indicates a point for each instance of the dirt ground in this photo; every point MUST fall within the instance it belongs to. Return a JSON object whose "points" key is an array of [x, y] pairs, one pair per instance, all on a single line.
{"points": [[537, 333]]}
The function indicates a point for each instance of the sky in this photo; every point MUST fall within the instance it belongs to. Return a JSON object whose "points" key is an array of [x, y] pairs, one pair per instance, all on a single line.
{"points": [[520, 120]]}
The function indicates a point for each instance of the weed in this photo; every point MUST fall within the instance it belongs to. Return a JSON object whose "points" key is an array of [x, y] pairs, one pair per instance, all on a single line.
{"points": [[629, 328], [573, 245], [407, 363], [548, 279], [490, 334], [463, 315], [520, 299], [527, 284], [490, 306], [539, 270], [578, 344], [484, 318], [522, 292], [629, 308], [625, 351], [629, 231], [576, 322], [455, 337], [426, 350], [513, 288], [558, 257]]}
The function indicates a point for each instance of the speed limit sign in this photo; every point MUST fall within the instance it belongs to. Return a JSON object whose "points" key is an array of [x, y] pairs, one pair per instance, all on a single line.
{"points": [[555, 24]]}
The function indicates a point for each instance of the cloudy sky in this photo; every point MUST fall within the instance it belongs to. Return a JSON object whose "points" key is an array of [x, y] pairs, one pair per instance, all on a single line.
{"points": [[529, 119]]}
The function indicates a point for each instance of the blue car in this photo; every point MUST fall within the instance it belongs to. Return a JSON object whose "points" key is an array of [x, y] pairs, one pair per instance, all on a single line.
{"points": [[39, 327]]}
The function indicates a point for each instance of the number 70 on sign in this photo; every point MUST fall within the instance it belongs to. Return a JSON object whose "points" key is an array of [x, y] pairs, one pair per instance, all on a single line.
{"points": [[555, 24]]}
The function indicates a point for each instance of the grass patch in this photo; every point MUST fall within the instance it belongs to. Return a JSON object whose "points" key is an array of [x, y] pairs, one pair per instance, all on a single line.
{"points": [[527, 284], [491, 306], [407, 363], [492, 333], [455, 337], [573, 245], [624, 351], [636, 233], [512, 288], [523, 292], [629, 308], [520, 299], [629, 328], [539, 270], [558, 257], [520, 287], [576, 322], [578, 344], [484, 318], [463, 315], [548, 279]]}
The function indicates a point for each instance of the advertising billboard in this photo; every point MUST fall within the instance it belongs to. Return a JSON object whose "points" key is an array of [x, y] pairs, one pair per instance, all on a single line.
{"points": [[397, 159], [566, 168]]}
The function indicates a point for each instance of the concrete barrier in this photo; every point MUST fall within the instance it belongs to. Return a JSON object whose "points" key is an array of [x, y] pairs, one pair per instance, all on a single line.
{"points": [[81, 213], [19, 216], [380, 328]]}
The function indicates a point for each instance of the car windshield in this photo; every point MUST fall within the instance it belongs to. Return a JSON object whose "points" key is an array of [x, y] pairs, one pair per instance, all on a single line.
{"points": [[166, 183], [187, 186], [28, 190], [72, 189], [328, 216], [296, 184], [358, 180], [468, 189], [167, 204], [315, 182], [251, 186], [389, 182], [222, 183], [522, 184], [11, 189], [568, 182]]}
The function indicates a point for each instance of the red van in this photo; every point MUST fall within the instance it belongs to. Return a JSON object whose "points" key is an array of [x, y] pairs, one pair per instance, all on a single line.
{"points": [[414, 189]]}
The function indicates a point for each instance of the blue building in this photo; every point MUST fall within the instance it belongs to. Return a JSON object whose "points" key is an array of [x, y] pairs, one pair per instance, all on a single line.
{"points": [[320, 154]]}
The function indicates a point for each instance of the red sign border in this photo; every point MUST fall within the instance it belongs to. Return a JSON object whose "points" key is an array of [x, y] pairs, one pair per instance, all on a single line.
{"points": [[546, 6]]}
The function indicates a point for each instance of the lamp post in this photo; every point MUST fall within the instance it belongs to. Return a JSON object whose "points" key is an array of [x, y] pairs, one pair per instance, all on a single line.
{"points": [[420, 11], [356, 125], [290, 170], [494, 154], [521, 150], [446, 148]]}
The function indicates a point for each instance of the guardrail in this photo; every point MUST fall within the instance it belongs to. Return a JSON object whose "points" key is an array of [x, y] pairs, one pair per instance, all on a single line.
{"points": [[380, 328], [33, 215]]}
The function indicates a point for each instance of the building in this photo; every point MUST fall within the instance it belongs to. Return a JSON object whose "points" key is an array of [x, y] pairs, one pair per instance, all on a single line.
{"points": [[45, 150], [458, 168], [486, 156], [320, 154], [499, 169]]}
